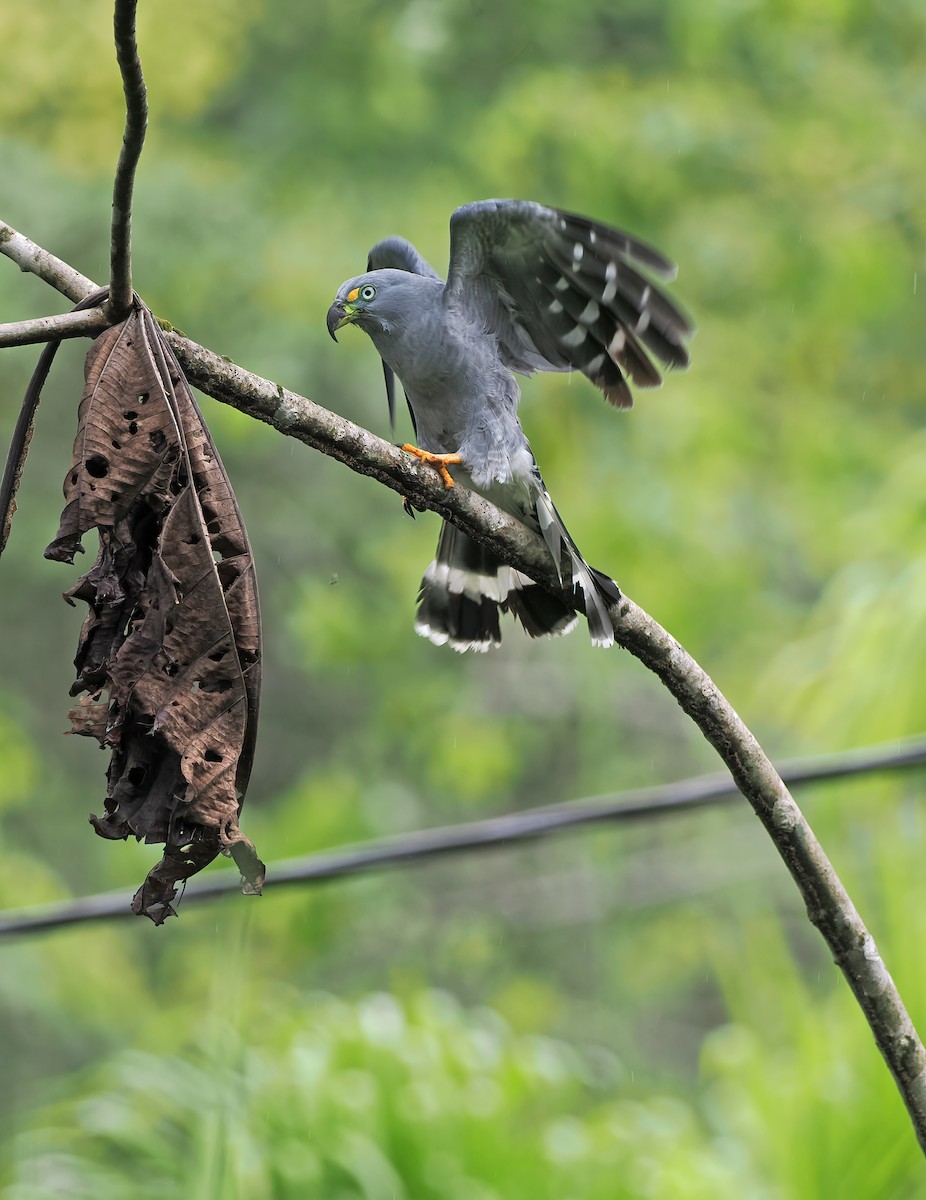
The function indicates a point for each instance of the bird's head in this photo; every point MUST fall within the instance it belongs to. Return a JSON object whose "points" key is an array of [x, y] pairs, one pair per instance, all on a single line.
{"points": [[355, 304], [378, 303], [382, 302]]}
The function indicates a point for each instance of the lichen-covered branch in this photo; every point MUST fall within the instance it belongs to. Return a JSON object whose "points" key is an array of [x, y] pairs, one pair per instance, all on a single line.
{"points": [[133, 138], [364, 452], [828, 904]]}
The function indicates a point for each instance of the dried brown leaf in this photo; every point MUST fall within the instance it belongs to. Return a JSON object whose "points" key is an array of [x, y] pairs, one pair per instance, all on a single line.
{"points": [[172, 638]]}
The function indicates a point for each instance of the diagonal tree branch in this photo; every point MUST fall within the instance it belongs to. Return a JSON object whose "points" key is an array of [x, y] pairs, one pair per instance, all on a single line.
{"points": [[133, 139], [828, 904]]}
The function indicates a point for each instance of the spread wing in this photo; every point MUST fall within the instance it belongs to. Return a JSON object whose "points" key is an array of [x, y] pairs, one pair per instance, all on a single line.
{"points": [[398, 254], [564, 293]]}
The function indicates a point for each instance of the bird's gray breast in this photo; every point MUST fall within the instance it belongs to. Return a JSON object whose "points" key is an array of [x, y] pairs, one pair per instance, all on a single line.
{"points": [[463, 396]]}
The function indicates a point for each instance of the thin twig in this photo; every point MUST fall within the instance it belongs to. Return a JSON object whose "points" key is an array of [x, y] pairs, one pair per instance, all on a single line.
{"points": [[32, 259], [494, 832], [54, 328], [133, 138], [22, 432], [828, 904]]}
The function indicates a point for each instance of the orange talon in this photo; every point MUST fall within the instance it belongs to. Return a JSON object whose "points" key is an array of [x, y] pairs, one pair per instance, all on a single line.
{"points": [[440, 461]]}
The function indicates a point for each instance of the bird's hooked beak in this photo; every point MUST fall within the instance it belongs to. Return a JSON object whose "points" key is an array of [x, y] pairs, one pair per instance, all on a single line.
{"points": [[339, 314]]}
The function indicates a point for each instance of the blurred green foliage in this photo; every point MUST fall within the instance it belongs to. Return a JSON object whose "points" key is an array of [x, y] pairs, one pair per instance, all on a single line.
{"points": [[642, 1013]]}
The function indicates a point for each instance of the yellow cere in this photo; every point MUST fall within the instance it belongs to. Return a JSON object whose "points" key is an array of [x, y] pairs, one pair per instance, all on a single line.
{"points": [[353, 294]]}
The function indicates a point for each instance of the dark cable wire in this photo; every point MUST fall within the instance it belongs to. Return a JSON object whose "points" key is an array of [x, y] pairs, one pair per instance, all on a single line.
{"points": [[639, 804]]}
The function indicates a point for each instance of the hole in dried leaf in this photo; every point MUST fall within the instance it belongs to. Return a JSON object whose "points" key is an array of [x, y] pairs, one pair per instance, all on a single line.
{"points": [[212, 755], [216, 686], [171, 668], [97, 466], [116, 445], [133, 428], [143, 398], [157, 439], [135, 775], [74, 477], [217, 655], [130, 414]]}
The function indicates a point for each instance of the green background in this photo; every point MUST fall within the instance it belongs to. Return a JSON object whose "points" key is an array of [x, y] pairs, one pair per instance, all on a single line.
{"points": [[635, 1012]]}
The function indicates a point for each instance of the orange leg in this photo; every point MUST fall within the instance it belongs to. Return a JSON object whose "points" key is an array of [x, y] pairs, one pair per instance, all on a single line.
{"points": [[440, 461]]}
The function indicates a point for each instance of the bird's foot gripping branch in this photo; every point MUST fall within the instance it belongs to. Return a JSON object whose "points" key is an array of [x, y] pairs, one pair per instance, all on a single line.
{"points": [[440, 462]]}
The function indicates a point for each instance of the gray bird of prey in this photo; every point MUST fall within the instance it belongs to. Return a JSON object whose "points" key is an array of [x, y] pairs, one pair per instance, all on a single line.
{"points": [[529, 288]]}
